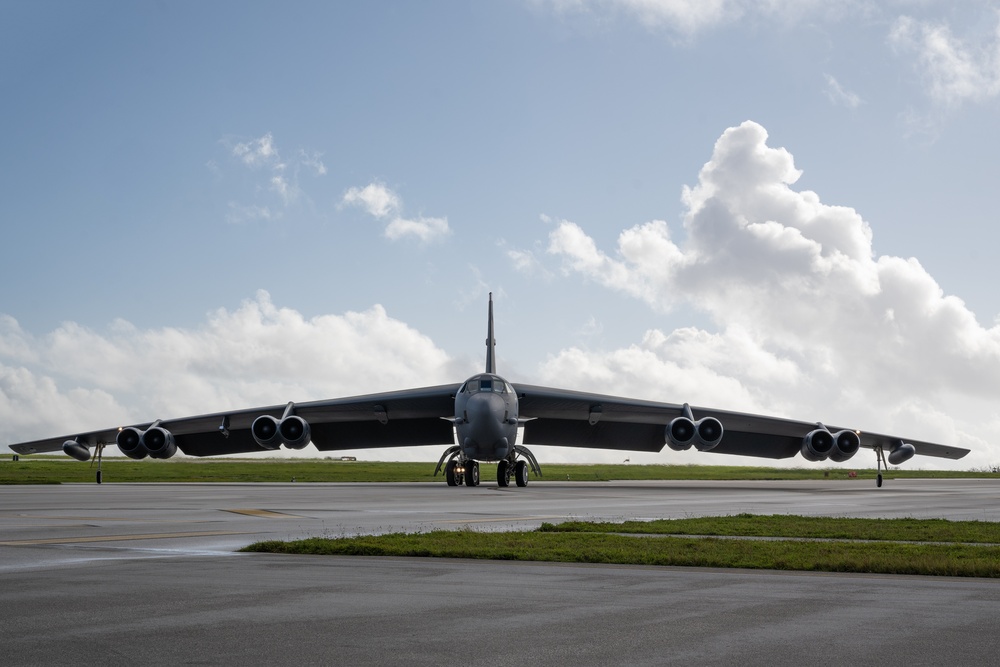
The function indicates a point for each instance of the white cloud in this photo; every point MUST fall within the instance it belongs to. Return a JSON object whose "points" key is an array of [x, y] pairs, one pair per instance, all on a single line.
{"points": [[382, 203], [257, 152], [689, 17], [282, 180], [260, 354], [810, 321], [425, 229], [313, 160], [955, 70], [375, 198], [837, 94]]}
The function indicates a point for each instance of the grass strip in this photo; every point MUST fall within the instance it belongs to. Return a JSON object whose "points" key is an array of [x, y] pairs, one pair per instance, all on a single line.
{"points": [[55, 470], [589, 547], [802, 527]]}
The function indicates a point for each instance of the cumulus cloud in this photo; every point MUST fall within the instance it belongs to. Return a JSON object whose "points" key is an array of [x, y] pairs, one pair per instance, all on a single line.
{"points": [[375, 198], [75, 378], [955, 70], [810, 321], [380, 202]]}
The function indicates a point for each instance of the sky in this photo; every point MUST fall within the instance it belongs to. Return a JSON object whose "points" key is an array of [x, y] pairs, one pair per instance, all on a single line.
{"points": [[782, 207]]}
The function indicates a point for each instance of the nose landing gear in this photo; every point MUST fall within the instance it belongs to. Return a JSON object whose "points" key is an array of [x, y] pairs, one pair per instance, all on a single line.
{"points": [[460, 470]]}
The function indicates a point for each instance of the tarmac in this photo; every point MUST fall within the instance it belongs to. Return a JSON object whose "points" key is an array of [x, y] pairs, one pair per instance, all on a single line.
{"points": [[148, 574]]}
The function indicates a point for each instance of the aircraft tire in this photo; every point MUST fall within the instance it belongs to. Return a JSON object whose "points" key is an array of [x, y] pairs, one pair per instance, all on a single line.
{"points": [[521, 473], [449, 473], [472, 473], [99, 480], [503, 473], [878, 481]]}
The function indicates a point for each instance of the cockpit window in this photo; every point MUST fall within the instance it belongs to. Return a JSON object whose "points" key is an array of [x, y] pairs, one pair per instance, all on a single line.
{"points": [[486, 383]]}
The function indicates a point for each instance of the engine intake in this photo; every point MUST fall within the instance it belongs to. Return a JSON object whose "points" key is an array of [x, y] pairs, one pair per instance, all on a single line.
{"points": [[845, 445], [817, 445], [155, 442], [295, 432], [704, 434], [129, 442], [159, 442], [291, 431], [820, 445]]}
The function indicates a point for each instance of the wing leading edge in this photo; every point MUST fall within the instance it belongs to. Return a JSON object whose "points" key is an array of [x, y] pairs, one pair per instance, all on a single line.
{"points": [[564, 418], [392, 419]]}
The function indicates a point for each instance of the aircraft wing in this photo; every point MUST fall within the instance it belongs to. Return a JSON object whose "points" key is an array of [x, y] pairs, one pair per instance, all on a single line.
{"points": [[565, 418], [409, 417]]}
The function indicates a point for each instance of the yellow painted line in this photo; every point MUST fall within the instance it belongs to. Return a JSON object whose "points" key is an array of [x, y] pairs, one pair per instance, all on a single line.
{"points": [[264, 514], [119, 538], [509, 518]]}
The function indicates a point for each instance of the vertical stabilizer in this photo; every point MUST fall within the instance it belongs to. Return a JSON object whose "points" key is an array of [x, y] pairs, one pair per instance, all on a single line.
{"points": [[491, 360]]}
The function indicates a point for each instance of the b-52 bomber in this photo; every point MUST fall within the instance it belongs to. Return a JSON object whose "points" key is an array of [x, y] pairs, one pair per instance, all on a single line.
{"points": [[479, 420]]}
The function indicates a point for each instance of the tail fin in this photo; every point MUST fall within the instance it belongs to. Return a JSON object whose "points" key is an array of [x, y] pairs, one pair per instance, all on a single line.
{"points": [[491, 360]]}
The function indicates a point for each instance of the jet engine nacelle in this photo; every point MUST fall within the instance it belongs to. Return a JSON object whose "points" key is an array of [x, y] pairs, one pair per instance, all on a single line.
{"points": [[265, 432], [845, 445], [820, 445], [129, 442], [270, 433], [78, 451], [816, 446], [155, 442], [704, 434], [295, 432], [901, 453], [159, 442]]}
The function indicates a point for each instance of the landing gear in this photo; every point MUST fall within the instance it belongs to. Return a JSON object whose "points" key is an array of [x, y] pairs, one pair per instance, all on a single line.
{"points": [[472, 473], [521, 473], [459, 470], [879, 461], [503, 473], [450, 475], [98, 456]]}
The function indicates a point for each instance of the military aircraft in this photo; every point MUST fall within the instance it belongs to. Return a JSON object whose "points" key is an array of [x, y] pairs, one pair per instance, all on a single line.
{"points": [[479, 420]]}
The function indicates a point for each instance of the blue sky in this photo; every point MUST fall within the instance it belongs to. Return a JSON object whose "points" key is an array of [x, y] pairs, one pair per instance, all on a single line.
{"points": [[205, 204]]}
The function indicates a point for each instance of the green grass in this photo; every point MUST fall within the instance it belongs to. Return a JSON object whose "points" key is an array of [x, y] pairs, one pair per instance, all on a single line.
{"points": [[52, 470], [950, 554], [799, 527]]}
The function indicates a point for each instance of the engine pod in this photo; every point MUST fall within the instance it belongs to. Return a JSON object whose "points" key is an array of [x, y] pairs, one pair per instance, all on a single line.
{"points": [[129, 441]]}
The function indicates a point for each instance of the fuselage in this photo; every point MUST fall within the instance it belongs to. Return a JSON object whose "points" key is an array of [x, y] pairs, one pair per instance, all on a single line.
{"points": [[486, 417]]}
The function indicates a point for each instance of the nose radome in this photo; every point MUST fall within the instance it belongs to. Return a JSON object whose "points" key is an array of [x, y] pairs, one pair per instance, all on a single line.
{"points": [[484, 404]]}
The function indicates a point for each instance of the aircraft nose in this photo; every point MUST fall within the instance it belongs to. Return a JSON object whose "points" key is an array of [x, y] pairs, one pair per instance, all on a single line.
{"points": [[484, 405], [485, 426]]}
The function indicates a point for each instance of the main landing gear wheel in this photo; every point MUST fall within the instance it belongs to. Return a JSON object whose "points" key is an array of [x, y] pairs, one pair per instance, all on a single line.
{"points": [[449, 473], [472, 473], [878, 481], [521, 473], [503, 473]]}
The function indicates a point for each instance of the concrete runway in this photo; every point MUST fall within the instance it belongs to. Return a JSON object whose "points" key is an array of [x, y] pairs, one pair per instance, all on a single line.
{"points": [[129, 573]]}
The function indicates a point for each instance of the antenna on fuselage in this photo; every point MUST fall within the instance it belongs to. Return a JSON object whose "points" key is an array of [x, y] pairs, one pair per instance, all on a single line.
{"points": [[491, 361]]}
